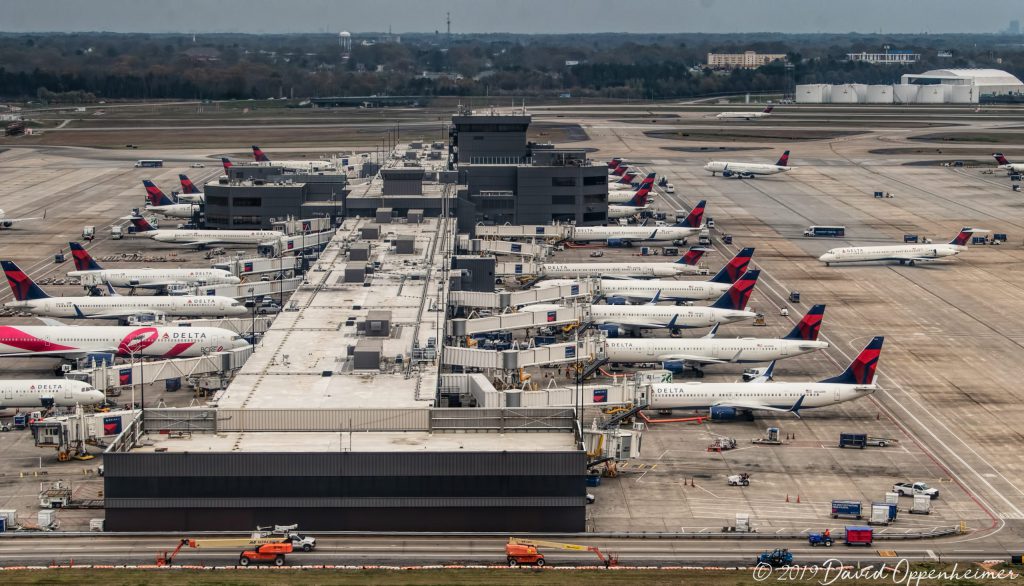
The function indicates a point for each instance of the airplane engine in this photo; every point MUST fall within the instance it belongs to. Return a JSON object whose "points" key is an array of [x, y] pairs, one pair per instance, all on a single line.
{"points": [[727, 173], [746, 175], [613, 331], [674, 366], [724, 413], [614, 242], [616, 300], [133, 282], [8, 224], [46, 402]]}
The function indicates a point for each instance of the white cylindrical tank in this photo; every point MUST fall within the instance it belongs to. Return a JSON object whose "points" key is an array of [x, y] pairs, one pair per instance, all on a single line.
{"points": [[964, 94], [905, 93], [844, 94], [933, 94], [879, 94], [815, 93]]}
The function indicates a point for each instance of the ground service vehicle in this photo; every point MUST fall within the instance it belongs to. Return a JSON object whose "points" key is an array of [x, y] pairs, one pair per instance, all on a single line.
{"points": [[859, 535], [833, 231], [823, 538], [524, 551], [846, 509], [257, 549], [911, 489], [775, 558], [149, 163]]}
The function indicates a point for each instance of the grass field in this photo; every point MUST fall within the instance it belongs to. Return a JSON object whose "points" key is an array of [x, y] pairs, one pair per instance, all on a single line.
{"points": [[456, 577]]}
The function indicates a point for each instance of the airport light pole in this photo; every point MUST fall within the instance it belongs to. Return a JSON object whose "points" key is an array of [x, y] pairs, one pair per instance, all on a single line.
{"points": [[252, 304]]}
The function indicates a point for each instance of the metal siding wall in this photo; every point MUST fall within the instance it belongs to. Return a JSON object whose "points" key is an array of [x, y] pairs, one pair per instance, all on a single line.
{"points": [[323, 420], [342, 502]]}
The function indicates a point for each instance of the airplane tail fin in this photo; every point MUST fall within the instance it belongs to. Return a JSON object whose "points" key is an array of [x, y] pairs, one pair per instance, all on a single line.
{"points": [[649, 179], [141, 224], [24, 288], [226, 162], [696, 216], [259, 155], [963, 237], [862, 370], [809, 326], [83, 260], [692, 256], [186, 185], [612, 164], [627, 178], [735, 267], [154, 195], [640, 197], [737, 296], [783, 160], [1001, 159], [768, 109]]}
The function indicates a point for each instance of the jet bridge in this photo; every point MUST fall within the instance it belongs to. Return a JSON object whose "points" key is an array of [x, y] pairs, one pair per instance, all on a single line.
{"points": [[551, 294], [522, 268], [518, 320], [503, 247], [215, 368], [546, 232], [585, 350]]}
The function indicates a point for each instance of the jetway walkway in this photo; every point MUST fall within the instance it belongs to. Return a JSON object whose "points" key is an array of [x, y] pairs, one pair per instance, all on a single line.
{"points": [[505, 299], [218, 365], [503, 247], [586, 350], [523, 268], [259, 288], [518, 320], [546, 232]]}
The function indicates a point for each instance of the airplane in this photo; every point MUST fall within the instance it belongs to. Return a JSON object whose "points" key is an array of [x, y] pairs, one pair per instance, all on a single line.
{"points": [[189, 192], [748, 170], [691, 225], [904, 253], [687, 264], [61, 392], [146, 278], [202, 238], [618, 292], [72, 342], [160, 203], [1005, 164], [676, 353], [625, 183], [726, 401], [623, 192], [746, 115], [628, 320], [30, 297], [634, 206], [304, 165], [6, 222]]}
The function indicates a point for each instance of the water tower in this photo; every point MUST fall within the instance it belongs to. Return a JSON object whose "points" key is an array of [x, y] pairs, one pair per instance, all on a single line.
{"points": [[345, 41]]}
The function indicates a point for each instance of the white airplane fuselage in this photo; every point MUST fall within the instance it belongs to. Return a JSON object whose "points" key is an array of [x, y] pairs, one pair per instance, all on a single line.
{"points": [[733, 350], [632, 233], [742, 115], [638, 269], [620, 211], [902, 253], [654, 316], [773, 395], [670, 290], [174, 210], [744, 169], [148, 278], [30, 394], [250, 237], [148, 341], [116, 307]]}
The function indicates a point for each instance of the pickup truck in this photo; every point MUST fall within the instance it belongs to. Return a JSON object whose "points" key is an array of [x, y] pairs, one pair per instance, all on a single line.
{"points": [[910, 489]]}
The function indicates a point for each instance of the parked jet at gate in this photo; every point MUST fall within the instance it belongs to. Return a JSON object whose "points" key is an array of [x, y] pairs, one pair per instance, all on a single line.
{"points": [[732, 400], [620, 191], [161, 204], [746, 115], [1005, 164], [626, 320], [687, 264], [72, 342], [189, 192], [634, 206], [628, 235], [60, 392], [904, 253], [30, 297], [6, 222], [617, 291], [205, 237], [748, 170], [146, 278], [312, 165], [676, 353]]}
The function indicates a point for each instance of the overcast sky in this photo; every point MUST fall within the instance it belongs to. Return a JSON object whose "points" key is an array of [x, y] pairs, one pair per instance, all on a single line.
{"points": [[517, 16]]}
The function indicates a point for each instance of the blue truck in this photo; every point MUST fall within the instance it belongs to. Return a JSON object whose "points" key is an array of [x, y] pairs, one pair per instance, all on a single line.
{"points": [[841, 508], [833, 231]]}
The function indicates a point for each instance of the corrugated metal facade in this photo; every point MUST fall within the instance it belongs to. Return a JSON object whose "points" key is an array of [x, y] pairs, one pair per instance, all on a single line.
{"points": [[323, 420], [388, 491]]}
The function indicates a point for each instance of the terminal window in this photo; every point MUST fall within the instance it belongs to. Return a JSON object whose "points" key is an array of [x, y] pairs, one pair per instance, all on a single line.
{"points": [[594, 217], [595, 180], [247, 202], [563, 182], [563, 200]]}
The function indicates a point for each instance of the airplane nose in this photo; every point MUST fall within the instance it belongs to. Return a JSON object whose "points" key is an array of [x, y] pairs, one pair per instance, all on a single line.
{"points": [[825, 257], [95, 396], [234, 280]]}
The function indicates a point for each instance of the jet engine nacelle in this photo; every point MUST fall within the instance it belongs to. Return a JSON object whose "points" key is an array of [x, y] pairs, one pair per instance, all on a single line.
{"points": [[134, 282], [615, 300], [46, 402], [613, 331], [724, 413], [615, 242], [8, 224], [674, 366], [727, 173]]}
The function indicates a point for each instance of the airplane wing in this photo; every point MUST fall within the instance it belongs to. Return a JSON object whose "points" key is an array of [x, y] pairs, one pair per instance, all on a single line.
{"points": [[795, 409], [16, 220], [203, 243], [694, 358], [64, 353], [165, 284], [766, 374]]}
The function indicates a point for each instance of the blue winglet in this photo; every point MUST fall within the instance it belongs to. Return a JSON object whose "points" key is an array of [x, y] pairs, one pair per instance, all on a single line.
{"points": [[795, 409]]}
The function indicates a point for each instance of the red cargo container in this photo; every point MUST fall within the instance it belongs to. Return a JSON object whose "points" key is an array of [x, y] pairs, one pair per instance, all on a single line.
{"points": [[859, 535]]}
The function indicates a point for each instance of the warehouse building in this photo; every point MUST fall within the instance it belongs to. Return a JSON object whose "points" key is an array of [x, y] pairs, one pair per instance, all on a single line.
{"points": [[940, 86], [987, 82]]}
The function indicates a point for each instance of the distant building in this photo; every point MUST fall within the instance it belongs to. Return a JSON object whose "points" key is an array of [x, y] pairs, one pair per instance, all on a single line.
{"points": [[944, 54], [1013, 28], [745, 60], [886, 58], [987, 82]]}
